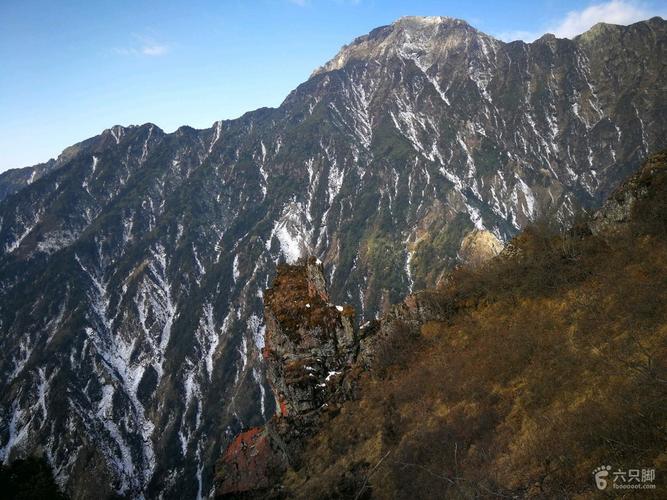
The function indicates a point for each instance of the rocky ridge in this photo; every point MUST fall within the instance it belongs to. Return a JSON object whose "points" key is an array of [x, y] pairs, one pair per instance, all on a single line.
{"points": [[311, 346], [315, 356], [619, 210]]}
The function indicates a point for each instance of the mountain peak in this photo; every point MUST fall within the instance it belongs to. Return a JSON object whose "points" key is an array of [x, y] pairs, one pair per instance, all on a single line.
{"points": [[604, 29], [429, 35], [413, 21]]}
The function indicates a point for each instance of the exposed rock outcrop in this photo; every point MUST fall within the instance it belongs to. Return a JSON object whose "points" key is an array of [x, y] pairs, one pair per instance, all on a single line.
{"points": [[308, 339], [310, 351], [617, 211], [314, 358], [249, 463], [479, 246]]}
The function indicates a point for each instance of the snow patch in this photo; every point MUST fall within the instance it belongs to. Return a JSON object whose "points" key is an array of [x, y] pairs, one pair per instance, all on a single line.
{"points": [[235, 268], [56, 240], [291, 232], [257, 330]]}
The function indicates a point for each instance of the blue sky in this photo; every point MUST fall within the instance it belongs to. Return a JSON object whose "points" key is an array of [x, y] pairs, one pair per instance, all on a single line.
{"points": [[70, 69]]}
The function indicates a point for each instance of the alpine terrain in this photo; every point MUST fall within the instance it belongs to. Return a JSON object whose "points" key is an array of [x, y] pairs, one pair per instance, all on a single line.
{"points": [[552, 385], [133, 267]]}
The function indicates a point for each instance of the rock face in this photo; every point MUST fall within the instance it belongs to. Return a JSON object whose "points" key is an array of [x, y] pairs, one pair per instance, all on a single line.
{"points": [[314, 359], [249, 464], [308, 339], [617, 212], [478, 247], [132, 272], [311, 347]]}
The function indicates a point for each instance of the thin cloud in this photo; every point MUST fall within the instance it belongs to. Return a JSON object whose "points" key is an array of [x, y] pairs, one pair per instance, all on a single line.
{"points": [[579, 21], [144, 46], [510, 36], [154, 50], [614, 12]]}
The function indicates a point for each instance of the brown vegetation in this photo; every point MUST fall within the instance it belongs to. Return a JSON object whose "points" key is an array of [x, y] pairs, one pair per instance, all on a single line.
{"points": [[297, 303], [545, 364]]}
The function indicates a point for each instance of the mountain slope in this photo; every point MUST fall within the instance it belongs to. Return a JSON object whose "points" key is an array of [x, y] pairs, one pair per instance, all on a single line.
{"points": [[492, 386], [131, 276]]}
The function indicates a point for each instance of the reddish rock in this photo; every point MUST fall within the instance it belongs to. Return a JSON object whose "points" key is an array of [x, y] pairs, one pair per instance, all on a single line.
{"points": [[246, 464]]}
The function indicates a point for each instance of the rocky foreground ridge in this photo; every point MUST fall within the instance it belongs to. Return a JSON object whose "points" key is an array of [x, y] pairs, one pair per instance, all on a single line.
{"points": [[311, 350], [314, 356]]}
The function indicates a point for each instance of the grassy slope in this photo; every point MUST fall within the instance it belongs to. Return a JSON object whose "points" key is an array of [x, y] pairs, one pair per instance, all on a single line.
{"points": [[552, 362]]}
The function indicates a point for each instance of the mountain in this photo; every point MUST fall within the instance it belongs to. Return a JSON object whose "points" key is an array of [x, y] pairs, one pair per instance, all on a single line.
{"points": [[488, 386], [132, 272], [13, 180]]}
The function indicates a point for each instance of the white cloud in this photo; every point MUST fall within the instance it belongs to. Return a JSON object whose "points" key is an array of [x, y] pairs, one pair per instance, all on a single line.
{"points": [[614, 12], [579, 21], [144, 46], [154, 50], [510, 36]]}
